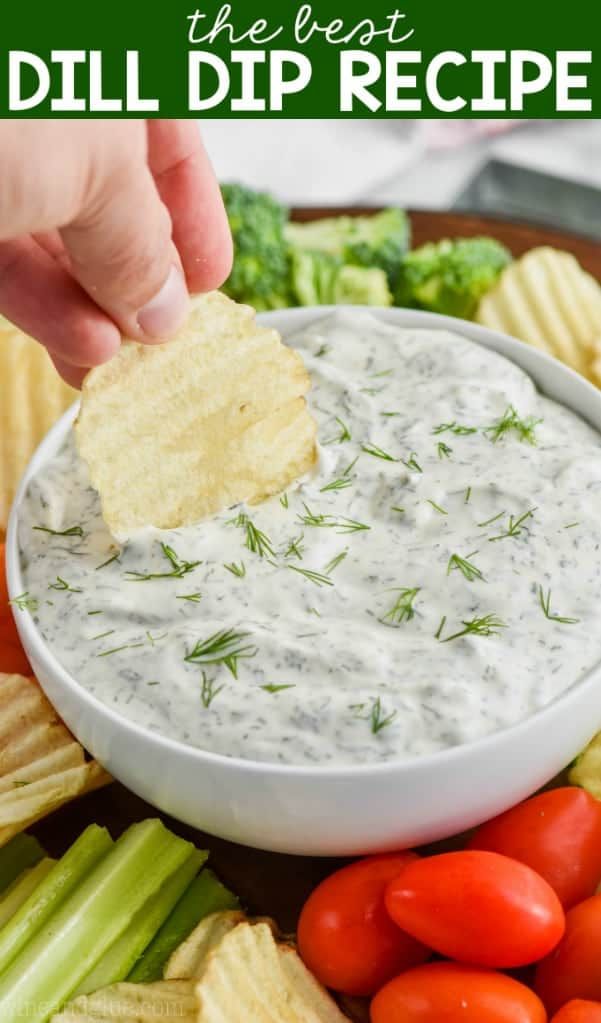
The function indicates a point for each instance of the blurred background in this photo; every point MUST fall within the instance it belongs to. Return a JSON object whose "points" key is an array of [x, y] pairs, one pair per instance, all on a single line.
{"points": [[543, 171]]}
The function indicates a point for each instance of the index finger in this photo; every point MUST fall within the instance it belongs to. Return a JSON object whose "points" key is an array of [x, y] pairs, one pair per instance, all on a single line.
{"points": [[187, 185]]}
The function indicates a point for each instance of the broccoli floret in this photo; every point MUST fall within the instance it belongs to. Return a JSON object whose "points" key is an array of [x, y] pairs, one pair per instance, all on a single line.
{"points": [[451, 276], [319, 278], [379, 240], [260, 275]]}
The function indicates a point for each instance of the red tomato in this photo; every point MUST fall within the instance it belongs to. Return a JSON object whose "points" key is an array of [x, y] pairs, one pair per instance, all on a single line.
{"points": [[558, 834], [345, 935], [449, 993], [578, 1011], [12, 655], [573, 970], [477, 907]]}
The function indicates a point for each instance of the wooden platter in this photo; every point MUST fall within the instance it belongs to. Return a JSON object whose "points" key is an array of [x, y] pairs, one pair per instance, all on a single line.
{"points": [[269, 883]]}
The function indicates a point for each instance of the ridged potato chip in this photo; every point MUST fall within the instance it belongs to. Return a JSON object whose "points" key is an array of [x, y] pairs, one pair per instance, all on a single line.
{"points": [[586, 771], [33, 398], [163, 1002], [189, 959], [547, 300], [173, 433], [41, 764]]}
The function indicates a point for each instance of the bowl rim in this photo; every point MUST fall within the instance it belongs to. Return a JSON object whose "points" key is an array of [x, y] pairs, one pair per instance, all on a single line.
{"points": [[493, 743]]}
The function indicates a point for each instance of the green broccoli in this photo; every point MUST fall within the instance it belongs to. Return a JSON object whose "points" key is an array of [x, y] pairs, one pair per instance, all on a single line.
{"points": [[451, 276], [260, 275], [319, 278], [380, 240]]}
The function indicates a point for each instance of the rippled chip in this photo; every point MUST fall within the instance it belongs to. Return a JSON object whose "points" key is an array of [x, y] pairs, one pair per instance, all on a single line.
{"points": [[546, 299], [189, 959], [173, 433], [33, 398], [250, 977], [41, 764], [163, 1002], [586, 771]]}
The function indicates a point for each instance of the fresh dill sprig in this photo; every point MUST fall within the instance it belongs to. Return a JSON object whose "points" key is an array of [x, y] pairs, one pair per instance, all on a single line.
{"points": [[321, 521], [489, 625], [71, 531], [312, 519], [25, 602], [322, 351], [443, 622], [514, 526], [545, 603], [314, 611], [489, 522], [350, 466], [571, 525], [402, 610], [340, 484], [371, 390], [295, 548], [284, 500], [511, 421], [378, 720], [101, 635], [456, 428], [390, 415], [109, 561], [468, 494], [179, 568], [62, 584], [334, 563], [95, 612], [256, 541], [465, 566], [441, 511], [273, 688], [315, 577], [396, 508], [376, 452], [381, 373], [118, 649], [412, 463], [194, 598], [235, 569], [208, 692], [155, 639], [350, 526], [224, 647], [343, 436], [444, 451]]}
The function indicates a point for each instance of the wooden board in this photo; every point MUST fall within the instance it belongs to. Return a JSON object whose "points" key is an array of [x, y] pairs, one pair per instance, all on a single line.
{"points": [[269, 883]]}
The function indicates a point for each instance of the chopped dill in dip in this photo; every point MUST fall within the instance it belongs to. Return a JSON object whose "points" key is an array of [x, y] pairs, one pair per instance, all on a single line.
{"points": [[436, 579]]}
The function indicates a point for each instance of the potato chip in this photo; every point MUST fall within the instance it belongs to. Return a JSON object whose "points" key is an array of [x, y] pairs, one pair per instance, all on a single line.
{"points": [[170, 1001], [41, 764], [33, 398], [189, 958], [249, 976], [173, 433], [586, 771], [547, 300]]}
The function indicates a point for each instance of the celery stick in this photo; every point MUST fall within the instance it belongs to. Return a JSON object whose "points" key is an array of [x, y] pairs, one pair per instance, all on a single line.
{"points": [[204, 896], [62, 880], [21, 852], [77, 935], [118, 961], [21, 889]]}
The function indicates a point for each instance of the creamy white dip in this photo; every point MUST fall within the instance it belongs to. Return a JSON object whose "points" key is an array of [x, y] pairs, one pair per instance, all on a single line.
{"points": [[342, 638]]}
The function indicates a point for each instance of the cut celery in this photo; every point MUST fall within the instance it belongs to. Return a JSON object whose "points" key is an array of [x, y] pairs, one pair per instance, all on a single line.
{"points": [[204, 896], [21, 852], [65, 950], [118, 961], [21, 889], [56, 887]]}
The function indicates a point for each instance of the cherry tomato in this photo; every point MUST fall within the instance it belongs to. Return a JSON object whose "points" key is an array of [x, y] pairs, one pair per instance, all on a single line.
{"points": [[12, 655], [477, 907], [573, 970], [345, 935], [450, 993], [578, 1011], [558, 834]]}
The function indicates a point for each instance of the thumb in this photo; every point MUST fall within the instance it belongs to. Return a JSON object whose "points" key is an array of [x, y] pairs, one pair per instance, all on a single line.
{"points": [[120, 248]]}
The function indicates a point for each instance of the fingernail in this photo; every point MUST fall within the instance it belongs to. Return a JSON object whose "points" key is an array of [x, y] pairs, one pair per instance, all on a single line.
{"points": [[168, 309]]}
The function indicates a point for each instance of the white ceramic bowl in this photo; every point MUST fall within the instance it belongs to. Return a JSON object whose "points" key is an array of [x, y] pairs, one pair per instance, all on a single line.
{"points": [[331, 811]]}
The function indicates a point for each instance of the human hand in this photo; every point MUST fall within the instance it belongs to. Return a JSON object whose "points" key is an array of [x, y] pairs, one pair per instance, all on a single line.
{"points": [[104, 228]]}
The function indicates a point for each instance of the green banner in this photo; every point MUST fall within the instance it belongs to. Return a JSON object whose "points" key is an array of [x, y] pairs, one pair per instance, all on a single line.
{"points": [[329, 58]]}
